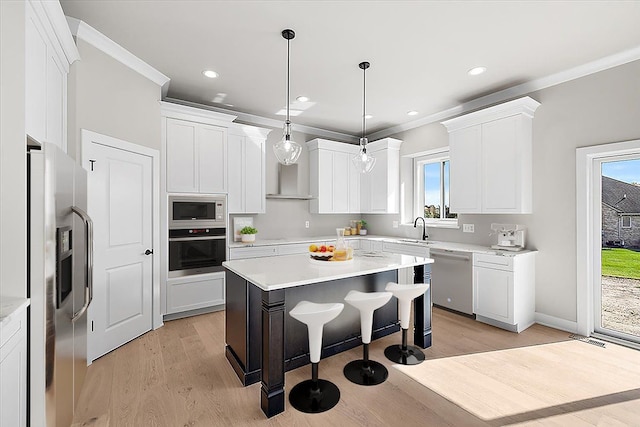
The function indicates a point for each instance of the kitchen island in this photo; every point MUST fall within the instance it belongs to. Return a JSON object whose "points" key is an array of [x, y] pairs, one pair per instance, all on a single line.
{"points": [[263, 341]]}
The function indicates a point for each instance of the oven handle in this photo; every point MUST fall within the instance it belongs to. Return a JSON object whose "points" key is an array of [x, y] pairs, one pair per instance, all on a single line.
{"points": [[190, 239]]}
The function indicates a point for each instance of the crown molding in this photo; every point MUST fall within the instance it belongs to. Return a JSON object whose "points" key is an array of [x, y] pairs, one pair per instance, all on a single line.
{"points": [[525, 105], [86, 32], [272, 123], [593, 67], [52, 18]]}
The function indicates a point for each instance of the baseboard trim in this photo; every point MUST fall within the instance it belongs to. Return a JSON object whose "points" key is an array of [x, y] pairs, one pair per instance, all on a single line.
{"points": [[557, 323]]}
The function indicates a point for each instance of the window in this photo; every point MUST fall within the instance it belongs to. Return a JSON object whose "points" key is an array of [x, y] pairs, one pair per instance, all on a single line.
{"points": [[626, 222], [432, 188]]}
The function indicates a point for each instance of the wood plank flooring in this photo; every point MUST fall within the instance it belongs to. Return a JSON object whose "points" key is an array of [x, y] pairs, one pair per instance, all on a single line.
{"points": [[177, 376]]}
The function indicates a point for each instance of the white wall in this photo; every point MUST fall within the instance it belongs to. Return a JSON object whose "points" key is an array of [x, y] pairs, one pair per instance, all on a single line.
{"points": [[107, 97], [13, 174], [597, 109]]}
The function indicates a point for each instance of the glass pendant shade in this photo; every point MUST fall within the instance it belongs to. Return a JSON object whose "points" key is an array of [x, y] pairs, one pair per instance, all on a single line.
{"points": [[363, 161], [287, 150]]}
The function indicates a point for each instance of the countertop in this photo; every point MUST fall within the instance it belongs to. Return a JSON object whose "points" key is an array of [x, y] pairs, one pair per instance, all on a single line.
{"points": [[10, 307], [431, 244], [271, 273]]}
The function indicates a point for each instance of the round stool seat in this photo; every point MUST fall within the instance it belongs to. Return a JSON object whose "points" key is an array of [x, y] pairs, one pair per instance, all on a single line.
{"points": [[315, 395], [365, 371], [405, 354]]}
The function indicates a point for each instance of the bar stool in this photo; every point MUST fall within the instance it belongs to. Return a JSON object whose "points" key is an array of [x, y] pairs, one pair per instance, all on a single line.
{"points": [[405, 354], [315, 395], [365, 371]]}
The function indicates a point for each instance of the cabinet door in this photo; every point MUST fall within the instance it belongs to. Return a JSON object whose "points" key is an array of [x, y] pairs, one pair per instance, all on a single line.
{"points": [[235, 174], [191, 293], [36, 60], [13, 386], [325, 185], [212, 159], [340, 182], [254, 175], [56, 105], [465, 180], [500, 166], [378, 183], [494, 294], [354, 187], [181, 156]]}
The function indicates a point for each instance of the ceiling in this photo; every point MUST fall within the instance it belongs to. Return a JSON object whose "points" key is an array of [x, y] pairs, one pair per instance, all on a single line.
{"points": [[420, 51]]}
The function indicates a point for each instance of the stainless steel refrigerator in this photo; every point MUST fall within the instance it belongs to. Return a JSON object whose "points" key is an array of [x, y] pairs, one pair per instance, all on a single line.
{"points": [[60, 284]]}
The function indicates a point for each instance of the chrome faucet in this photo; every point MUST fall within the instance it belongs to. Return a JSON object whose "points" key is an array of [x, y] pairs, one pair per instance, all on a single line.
{"points": [[424, 227]]}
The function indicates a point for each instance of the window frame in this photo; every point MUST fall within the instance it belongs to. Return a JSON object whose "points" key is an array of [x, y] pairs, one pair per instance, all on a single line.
{"points": [[622, 217], [435, 156]]}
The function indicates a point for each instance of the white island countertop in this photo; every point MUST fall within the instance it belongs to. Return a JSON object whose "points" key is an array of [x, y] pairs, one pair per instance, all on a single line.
{"points": [[272, 273]]}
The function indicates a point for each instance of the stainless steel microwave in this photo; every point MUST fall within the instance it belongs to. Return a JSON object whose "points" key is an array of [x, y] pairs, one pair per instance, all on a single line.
{"points": [[197, 212]]}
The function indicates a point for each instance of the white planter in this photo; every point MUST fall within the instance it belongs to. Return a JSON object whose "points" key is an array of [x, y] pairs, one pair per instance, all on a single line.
{"points": [[248, 238], [363, 232]]}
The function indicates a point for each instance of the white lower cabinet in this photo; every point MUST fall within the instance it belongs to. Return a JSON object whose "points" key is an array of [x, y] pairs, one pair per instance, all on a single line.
{"points": [[195, 292], [504, 290], [13, 372]]}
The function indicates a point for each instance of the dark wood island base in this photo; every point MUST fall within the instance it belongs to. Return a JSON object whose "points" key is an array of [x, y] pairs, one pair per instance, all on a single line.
{"points": [[263, 341]]}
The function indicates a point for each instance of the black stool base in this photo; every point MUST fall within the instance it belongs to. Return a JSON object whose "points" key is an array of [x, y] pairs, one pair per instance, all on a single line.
{"points": [[356, 372], [411, 356], [304, 399]]}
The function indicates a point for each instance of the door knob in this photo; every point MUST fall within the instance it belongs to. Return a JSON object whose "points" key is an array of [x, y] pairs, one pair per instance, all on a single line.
{"points": [[148, 252]]}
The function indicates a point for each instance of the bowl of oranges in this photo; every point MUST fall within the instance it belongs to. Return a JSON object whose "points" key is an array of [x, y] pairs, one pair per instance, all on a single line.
{"points": [[321, 252]]}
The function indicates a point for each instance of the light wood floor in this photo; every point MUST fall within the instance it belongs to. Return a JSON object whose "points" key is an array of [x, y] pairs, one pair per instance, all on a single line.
{"points": [[177, 376]]}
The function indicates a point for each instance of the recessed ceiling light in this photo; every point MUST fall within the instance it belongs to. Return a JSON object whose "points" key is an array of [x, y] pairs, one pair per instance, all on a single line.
{"points": [[368, 116], [476, 71], [412, 113], [302, 99], [210, 73]]}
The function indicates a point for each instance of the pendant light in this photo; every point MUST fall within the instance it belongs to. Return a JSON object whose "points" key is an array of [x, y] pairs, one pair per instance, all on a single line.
{"points": [[364, 161], [287, 150]]}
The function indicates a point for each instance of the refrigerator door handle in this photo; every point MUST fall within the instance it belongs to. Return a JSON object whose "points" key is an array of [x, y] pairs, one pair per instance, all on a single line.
{"points": [[88, 291]]}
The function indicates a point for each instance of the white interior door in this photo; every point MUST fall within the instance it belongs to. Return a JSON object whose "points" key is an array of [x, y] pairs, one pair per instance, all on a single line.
{"points": [[120, 202]]}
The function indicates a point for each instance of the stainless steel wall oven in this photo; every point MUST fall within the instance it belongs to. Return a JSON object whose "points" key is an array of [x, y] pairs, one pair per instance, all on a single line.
{"points": [[197, 234]]}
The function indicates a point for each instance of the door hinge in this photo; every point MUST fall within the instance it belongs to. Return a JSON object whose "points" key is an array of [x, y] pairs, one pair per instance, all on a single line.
{"points": [[92, 162], [92, 326]]}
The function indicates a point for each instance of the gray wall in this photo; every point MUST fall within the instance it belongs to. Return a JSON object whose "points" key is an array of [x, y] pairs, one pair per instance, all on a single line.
{"points": [[110, 98], [597, 109], [287, 217], [13, 173]]}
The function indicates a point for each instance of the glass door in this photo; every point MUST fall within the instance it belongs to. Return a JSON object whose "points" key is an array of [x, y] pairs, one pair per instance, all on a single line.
{"points": [[617, 285]]}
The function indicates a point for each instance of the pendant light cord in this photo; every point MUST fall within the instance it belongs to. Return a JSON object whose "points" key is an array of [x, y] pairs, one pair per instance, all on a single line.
{"points": [[288, 55], [364, 99]]}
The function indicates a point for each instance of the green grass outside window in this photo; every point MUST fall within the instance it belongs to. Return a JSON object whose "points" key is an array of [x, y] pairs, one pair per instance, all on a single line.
{"points": [[620, 262]]}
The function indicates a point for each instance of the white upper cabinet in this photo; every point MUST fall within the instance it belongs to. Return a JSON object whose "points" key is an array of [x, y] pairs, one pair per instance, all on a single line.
{"points": [[49, 51], [491, 159], [195, 149], [380, 188], [246, 169], [333, 180]]}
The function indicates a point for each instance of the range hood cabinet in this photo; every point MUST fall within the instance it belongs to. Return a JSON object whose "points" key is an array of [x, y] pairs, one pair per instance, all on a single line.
{"points": [[288, 184]]}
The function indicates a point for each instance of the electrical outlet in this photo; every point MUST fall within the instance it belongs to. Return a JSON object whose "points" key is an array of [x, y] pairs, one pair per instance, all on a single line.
{"points": [[306, 224], [395, 224], [467, 228]]}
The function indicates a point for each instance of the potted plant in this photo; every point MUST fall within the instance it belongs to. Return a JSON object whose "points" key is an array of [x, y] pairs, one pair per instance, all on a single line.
{"points": [[363, 227], [248, 234]]}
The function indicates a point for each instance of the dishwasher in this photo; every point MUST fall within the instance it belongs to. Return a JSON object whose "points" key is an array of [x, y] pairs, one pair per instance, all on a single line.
{"points": [[452, 280]]}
